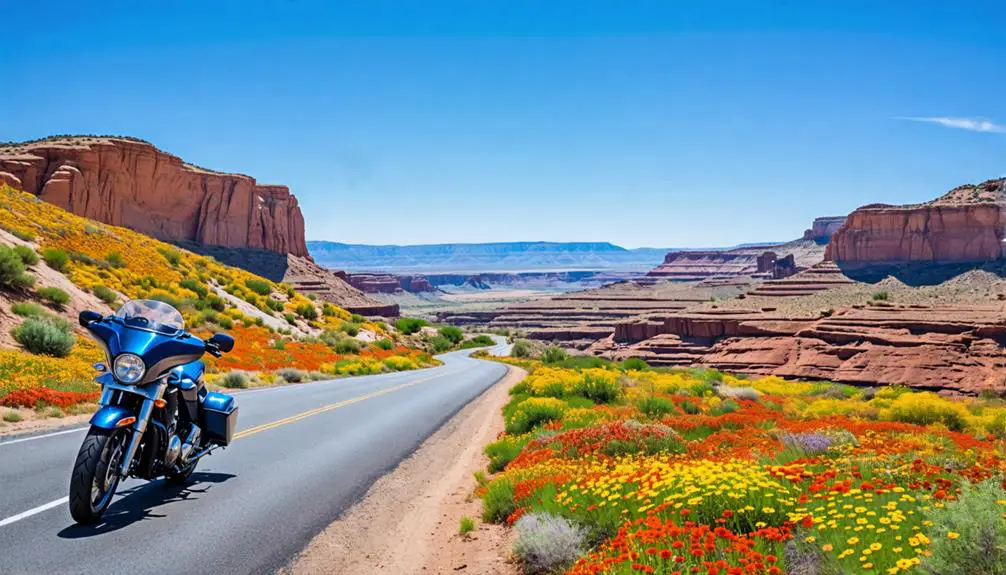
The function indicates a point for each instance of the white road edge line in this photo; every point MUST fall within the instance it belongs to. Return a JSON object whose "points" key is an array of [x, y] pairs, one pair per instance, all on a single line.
{"points": [[34, 511], [43, 436]]}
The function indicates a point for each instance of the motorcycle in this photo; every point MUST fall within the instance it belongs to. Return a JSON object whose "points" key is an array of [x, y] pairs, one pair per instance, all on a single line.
{"points": [[156, 418]]}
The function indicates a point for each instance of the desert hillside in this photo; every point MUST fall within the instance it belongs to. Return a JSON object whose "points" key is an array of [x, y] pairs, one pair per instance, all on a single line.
{"points": [[53, 264]]}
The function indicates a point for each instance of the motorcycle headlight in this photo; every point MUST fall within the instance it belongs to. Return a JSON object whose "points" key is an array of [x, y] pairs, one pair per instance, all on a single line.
{"points": [[128, 368]]}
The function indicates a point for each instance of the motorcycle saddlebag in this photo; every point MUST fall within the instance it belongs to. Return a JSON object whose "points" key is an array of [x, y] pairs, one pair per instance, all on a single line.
{"points": [[220, 416]]}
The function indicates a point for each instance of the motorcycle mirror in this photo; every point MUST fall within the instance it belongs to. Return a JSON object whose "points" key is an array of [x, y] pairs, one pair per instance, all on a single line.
{"points": [[99, 367], [222, 341], [87, 316]]}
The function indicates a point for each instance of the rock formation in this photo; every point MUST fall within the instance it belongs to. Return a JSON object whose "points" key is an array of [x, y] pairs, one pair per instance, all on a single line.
{"points": [[955, 348], [965, 225], [824, 228], [131, 183]]}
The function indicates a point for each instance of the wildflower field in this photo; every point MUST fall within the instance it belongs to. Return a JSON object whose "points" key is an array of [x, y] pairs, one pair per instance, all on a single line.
{"points": [[116, 264], [691, 471]]}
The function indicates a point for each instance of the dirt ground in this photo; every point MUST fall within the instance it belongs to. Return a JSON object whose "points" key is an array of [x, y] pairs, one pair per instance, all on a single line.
{"points": [[408, 521]]}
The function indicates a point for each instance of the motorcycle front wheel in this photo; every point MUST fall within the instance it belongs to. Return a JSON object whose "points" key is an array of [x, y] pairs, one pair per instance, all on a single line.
{"points": [[96, 473]]}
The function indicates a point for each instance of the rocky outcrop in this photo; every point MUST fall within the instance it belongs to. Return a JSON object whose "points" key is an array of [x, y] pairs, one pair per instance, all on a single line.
{"points": [[708, 265], [389, 283], [954, 348], [131, 183], [965, 225], [824, 228]]}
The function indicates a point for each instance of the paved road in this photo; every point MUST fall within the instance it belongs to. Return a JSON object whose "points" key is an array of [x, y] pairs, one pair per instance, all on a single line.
{"points": [[304, 454]]}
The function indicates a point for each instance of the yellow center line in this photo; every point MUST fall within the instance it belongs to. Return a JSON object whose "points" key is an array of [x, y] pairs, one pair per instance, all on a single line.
{"points": [[332, 406]]}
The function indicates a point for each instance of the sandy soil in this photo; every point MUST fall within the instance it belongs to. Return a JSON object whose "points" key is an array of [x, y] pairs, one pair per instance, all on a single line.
{"points": [[408, 521], [34, 422]]}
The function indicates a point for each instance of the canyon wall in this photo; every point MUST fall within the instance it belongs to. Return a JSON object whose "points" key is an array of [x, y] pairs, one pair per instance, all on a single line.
{"points": [[131, 183], [965, 225]]}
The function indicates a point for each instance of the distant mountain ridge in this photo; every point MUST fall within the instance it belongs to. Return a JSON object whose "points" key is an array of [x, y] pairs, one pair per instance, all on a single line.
{"points": [[478, 257]]}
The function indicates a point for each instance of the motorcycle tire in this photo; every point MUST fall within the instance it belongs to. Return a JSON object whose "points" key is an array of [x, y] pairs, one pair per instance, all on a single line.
{"points": [[95, 475]]}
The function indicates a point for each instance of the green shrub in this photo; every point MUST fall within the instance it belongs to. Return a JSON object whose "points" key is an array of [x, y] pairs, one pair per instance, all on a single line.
{"points": [[290, 318], [634, 363], [216, 302], [690, 408], [235, 380], [174, 257], [104, 293], [27, 255], [12, 271], [347, 345], [45, 336], [53, 295], [478, 341], [274, 304], [521, 348], [440, 344], [498, 503], [554, 354], [28, 309], [258, 286], [466, 526], [385, 344], [225, 322], [880, 296], [530, 414], [656, 407], [978, 546], [599, 389], [350, 329], [12, 417], [409, 325], [194, 286], [56, 258], [357, 318], [453, 334], [503, 451], [307, 311], [291, 375], [115, 260], [725, 407]]}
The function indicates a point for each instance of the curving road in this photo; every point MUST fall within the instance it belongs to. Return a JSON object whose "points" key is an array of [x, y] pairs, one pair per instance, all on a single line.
{"points": [[303, 454]]}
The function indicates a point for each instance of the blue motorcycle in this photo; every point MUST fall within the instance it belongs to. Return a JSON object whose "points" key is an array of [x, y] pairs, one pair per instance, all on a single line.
{"points": [[156, 417]]}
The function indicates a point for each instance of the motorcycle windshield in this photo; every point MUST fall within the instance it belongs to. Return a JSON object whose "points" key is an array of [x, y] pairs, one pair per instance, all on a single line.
{"points": [[151, 315]]}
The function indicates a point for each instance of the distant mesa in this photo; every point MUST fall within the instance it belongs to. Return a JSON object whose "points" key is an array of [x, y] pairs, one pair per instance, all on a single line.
{"points": [[824, 228], [964, 225], [129, 182]]}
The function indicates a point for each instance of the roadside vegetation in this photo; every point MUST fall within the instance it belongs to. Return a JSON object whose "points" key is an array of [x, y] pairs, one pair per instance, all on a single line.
{"points": [[275, 327], [623, 469]]}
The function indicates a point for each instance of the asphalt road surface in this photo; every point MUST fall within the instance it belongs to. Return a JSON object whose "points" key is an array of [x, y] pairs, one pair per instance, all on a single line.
{"points": [[302, 455]]}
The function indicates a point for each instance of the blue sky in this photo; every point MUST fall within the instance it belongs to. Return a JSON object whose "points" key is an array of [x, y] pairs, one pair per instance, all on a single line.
{"points": [[641, 123]]}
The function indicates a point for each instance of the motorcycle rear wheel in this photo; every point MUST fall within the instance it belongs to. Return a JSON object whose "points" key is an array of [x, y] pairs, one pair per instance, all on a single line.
{"points": [[95, 475]]}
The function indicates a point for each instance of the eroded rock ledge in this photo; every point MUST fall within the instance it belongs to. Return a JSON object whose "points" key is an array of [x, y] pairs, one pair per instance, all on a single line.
{"points": [[131, 183]]}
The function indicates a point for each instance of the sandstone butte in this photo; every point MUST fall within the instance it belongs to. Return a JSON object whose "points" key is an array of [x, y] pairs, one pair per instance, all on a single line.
{"points": [[131, 183], [965, 225]]}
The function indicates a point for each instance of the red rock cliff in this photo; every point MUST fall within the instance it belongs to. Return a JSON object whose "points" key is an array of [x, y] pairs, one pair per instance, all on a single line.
{"points": [[965, 225], [133, 184]]}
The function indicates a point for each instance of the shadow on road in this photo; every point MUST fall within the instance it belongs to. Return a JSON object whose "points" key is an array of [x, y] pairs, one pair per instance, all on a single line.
{"points": [[141, 502]]}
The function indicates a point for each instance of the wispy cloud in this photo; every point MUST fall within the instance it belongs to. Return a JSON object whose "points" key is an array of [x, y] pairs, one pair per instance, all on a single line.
{"points": [[973, 124]]}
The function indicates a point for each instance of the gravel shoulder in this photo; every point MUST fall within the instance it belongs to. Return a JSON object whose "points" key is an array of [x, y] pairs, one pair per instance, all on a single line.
{"points": [[408, 521]]}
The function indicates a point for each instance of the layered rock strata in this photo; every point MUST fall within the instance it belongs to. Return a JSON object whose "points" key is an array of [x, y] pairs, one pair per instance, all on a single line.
{"points": [[131, 183]]}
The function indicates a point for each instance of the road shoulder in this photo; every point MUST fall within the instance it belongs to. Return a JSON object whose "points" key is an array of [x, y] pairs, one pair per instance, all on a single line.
{"points": [[408, 520]]}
